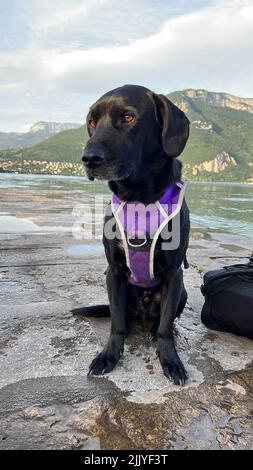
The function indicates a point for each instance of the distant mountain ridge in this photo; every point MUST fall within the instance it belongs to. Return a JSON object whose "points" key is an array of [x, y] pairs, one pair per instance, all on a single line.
{"points": [[53, 127], [220, 147], [224, 100], [38, 132]]}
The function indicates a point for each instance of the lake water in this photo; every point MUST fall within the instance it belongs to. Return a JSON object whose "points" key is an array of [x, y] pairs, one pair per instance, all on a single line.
{"points": [[32, 202]]}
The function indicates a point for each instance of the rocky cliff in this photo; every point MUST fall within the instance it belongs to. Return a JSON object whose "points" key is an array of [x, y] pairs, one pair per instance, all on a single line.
{"points": [[219, 163], [224, 100]]}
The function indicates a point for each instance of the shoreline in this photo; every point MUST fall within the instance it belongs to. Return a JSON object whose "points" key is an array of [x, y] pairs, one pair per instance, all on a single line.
{"points": [[46, 175]]}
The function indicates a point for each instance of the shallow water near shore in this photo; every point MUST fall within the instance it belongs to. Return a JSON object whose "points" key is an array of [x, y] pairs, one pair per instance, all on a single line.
{"points": [[41, 203]]}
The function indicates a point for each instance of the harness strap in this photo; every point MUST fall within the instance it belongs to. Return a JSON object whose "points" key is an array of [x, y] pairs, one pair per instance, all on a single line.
{"points": [[121, 228], [167, 218]]}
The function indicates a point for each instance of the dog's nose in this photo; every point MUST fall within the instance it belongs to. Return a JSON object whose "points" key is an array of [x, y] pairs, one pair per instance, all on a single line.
{"points": [[92, 158]]}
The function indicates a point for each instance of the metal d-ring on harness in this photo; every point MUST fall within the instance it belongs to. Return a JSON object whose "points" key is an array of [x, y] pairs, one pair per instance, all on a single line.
{"points": [[134, 245], [140, 261]]}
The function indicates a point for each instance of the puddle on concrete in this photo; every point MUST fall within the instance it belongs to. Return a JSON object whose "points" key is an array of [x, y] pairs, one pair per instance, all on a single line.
{"points": [[12, 224], [9, 286], [84, 250], [200, 435]]}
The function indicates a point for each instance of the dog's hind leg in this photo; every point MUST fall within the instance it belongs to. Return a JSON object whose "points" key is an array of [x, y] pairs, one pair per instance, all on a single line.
{"points": [[92, 311], [153, 330]]}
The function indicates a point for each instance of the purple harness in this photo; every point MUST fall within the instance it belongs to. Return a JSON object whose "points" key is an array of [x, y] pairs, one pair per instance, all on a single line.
{"points": [[140, 226]]}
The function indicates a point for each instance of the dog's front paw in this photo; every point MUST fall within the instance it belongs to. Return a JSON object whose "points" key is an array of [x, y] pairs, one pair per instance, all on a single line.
{"points": [[103, 363], [175, 371], [172, 365]]}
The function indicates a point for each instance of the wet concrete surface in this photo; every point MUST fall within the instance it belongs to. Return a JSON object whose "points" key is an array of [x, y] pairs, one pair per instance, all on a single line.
{"points": [[46, 399]]}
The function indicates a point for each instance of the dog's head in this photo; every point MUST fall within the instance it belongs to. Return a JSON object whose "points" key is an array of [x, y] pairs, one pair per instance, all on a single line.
{"points": [[129, 125]]}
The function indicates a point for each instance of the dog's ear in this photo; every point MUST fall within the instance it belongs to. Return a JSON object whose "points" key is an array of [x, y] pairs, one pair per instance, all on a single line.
{"points": [[174, 124]]}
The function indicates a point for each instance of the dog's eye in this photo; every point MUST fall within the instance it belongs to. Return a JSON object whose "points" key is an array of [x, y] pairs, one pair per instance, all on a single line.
{"points": [[92, 123], [127, 118]]}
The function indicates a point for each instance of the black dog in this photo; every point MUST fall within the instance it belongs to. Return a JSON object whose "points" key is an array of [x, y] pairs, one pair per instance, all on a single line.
{"points": [[135, 137]]}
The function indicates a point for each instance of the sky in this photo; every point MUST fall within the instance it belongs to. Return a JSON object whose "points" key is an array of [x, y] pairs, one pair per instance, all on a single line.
{"points": [[58, 57]]}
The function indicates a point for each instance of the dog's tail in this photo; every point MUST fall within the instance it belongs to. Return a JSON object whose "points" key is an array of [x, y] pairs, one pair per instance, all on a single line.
{"points": [[92, 311]]}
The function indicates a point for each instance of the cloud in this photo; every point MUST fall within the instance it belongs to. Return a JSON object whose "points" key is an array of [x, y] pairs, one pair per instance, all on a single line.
{"points": [[59, 13], [65, 23], [209, 48]]}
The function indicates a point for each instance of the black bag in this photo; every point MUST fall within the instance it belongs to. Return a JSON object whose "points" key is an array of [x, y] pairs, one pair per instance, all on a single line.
{"points": [[228, 296]]}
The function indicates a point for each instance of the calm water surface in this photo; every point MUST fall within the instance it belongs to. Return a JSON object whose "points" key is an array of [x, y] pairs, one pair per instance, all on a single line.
{"points": [[225, 206]]}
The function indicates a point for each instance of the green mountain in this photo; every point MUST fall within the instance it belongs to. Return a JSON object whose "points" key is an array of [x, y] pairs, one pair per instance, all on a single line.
{"points": [[37, 133], [220, 147]]}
